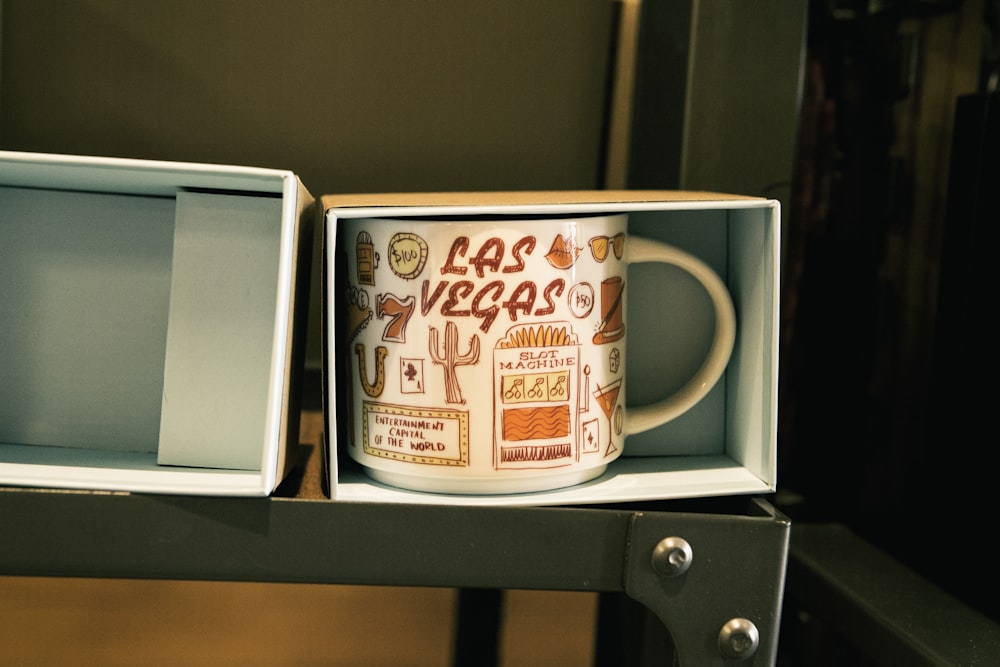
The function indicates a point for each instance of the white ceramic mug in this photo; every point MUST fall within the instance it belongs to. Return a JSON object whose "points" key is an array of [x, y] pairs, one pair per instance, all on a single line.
{"points": [[488, 355]]}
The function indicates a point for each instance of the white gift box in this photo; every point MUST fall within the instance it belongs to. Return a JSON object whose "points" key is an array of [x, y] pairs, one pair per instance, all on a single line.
{"points": [[152, 324], [726, 444]]}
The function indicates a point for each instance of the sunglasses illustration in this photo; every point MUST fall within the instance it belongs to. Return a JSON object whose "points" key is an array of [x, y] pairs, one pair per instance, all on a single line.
{"points": [[599, 246]]}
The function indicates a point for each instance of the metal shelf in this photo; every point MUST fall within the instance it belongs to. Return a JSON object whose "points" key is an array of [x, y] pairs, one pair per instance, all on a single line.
{"points": [[737, 563]]}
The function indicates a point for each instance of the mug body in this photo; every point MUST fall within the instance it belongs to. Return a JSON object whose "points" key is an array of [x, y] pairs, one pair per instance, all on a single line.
{"points": [[487, 356]]}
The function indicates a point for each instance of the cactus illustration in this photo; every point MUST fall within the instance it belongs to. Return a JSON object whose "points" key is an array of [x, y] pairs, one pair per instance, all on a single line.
{"points": [[450, 359]]}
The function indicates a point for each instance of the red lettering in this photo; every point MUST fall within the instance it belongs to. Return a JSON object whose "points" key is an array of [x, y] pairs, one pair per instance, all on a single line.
{"points": [[464, 300], [513, 304], [526, 244], [427, 304], [494, 245], [557, 286], [458, 291], [458, 248], [490, 314]]}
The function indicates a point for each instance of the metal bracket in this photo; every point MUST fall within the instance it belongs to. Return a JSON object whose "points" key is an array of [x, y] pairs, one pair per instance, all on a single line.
{"points": [[715, 581]]}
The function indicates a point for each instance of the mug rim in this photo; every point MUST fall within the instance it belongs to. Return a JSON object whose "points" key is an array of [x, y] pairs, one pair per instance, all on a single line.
{"points": [[486, 217]]}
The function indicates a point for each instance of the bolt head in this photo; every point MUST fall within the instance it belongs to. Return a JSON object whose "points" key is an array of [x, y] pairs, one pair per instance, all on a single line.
{"points": [[672, 557], [738, 639]]}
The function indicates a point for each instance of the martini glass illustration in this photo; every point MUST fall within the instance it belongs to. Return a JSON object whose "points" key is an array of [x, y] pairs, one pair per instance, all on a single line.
{"points": [[607, 398]]}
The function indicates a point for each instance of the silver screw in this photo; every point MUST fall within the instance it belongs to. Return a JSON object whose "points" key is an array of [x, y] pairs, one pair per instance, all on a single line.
{"points": [[672, 556], [738, 639]]}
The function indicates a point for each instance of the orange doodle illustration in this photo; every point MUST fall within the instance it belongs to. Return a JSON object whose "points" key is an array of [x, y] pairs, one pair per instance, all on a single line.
{"points": [[563, 252], [612, 325], [367, 259], [416, 435], [607, 398], [449, 359], [537, 369], [540, 336], [591, 436], [536, 453], [358, 312], [375, 388], [411, 376], [535, 387], [539, 423], [407, 255], [399, 311], [581, 299], [599, 246]]}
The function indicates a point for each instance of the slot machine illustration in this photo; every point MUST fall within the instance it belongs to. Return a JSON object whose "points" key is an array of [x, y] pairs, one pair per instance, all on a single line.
{"points": [[367, 259], [536, 397]]}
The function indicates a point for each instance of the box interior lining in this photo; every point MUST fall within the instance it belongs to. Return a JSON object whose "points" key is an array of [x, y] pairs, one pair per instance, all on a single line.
{"points": [[86, 307], [728, 433]]}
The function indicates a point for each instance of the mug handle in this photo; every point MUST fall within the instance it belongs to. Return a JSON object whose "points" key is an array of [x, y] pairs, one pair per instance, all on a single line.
{"points": [[642, 418]]}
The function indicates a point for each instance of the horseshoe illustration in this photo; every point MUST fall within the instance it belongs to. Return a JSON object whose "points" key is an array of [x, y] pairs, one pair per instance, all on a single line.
{"points": [[375, 388]]}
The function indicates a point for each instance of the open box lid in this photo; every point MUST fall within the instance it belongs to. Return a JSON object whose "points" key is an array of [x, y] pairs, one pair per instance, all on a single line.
{"points": [[145, 177], [284, 217]]}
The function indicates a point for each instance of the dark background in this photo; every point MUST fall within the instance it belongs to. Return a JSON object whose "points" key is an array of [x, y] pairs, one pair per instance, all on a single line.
{"points": [[886, 361]]}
